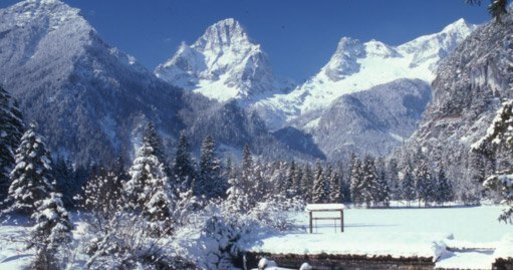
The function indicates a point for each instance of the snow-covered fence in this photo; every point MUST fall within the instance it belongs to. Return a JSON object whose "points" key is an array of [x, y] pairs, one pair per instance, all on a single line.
{"points": [[329, 207]]}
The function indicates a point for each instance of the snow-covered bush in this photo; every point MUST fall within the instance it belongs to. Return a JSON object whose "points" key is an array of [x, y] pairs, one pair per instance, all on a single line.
{"points": [[50, 234], [125, 243]]}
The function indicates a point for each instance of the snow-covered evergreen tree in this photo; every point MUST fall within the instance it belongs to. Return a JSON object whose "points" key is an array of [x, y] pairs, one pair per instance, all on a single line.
{"points": [[290, 182], [393, 179], [51, 232], [408, 190], [335, 189], [424, 182], [307, 183], [382, 189], [369, 183], [183, 169], [209, 182], [444, 189], [31, 178], [356, 178], [321, 186], [147, 190], [11, 130], [500, 138]]}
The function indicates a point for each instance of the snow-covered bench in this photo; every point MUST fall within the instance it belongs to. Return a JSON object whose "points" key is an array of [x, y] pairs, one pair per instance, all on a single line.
{"points": [[326, 207]]}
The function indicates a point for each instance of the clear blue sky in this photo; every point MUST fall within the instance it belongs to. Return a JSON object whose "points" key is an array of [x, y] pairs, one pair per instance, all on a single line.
{"points": [[298, 35]]}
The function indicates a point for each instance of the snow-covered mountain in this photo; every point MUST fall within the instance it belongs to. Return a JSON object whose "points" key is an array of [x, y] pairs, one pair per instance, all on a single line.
{"points": [[374, 121], [223, 64], [91, 100], [358, 66], [468, 90]]}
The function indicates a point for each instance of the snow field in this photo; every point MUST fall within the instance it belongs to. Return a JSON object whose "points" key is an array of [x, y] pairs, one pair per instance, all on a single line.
{"points": [[459, 237]]}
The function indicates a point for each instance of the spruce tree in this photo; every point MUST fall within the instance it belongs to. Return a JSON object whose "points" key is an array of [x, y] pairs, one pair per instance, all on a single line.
{"points": [[369, 183], [31, 178], [424, 182], [209, 182], [183, 166], [148, 191], [445, 191], [290, 188], [408, 190], [393, 179], [335, 187], [320, 187], [51, 232], [355, 180], [382, 190], [11, 130], [307, 183]]}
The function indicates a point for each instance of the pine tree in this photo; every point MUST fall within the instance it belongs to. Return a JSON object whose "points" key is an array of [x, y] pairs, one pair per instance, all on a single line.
{"points": [[355, 180], [209, 182], [393, 179], [51, 232], [290, 188], [424, 182], [369, 183], [408, 190], [11, 130], [32, 178], [307, 183], [445, 191], [147, 191], [183, 166], [335, 189], [320, 188], [151, 138], [382, 189]]}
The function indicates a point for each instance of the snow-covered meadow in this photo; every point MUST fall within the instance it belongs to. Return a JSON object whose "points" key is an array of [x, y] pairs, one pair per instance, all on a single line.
{"points": [[457, 237]]}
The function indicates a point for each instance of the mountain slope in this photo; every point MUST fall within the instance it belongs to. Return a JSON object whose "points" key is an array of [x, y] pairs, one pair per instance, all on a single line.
{"points": [[468, 90], [374, 121], [86, 96], [222, 64], [92, 101], [357, 66]]}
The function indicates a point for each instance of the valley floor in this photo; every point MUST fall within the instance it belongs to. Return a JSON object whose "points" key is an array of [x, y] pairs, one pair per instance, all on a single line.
{"points": [[456, 237]]}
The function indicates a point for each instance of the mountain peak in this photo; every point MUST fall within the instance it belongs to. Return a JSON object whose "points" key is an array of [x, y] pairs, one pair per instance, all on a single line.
{"points": [[458, 25], [50, 13], [225, 33]]}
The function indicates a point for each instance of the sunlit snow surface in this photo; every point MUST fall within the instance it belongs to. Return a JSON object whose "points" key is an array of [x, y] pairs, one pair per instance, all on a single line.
{"points": [[463, 237], [473, 233]]}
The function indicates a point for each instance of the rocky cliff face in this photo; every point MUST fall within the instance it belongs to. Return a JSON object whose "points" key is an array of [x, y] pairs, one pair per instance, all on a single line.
{"points": [[469, 88], [358, 66], [374, 122], [222, 64]]}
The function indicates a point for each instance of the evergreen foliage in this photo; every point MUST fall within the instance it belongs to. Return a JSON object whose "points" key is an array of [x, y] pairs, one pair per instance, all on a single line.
{"points": [[11, 130], [183, 170], [31, 178]]}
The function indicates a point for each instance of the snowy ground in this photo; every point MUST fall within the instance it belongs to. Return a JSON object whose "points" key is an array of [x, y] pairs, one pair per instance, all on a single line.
{"points": [[460, 237], [463, 237]]}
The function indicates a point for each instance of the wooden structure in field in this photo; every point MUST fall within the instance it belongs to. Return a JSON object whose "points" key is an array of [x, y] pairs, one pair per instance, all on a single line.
{"points": [[323, 208]]}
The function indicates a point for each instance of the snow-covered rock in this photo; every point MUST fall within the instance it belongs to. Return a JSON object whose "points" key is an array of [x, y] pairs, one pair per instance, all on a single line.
{"points": [[357, 66], [467, 93], [222, 64]]}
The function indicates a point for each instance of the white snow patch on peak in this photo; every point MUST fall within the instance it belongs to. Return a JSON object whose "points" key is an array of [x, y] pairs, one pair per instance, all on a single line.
{"points": [[55, 12], [357, 66], [222, 64]]}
